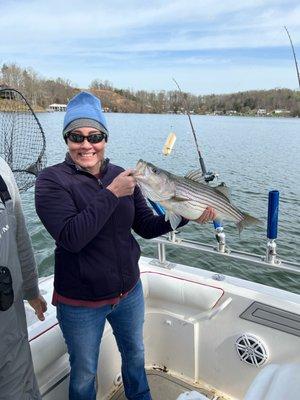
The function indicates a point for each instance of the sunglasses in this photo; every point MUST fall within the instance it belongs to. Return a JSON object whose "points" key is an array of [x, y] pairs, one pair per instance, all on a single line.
{"points": [[94, 138]]}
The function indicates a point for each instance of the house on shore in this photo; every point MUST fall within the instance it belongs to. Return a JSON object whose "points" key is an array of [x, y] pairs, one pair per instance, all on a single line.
{"points": [[261, 111], [57, 107], [281, 112]]}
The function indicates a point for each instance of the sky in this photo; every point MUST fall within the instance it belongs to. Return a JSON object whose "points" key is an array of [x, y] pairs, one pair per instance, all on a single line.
{"points": [[207, 46]]}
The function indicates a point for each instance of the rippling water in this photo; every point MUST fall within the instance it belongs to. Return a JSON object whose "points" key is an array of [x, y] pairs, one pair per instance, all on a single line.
{"points": [[252, 155]]}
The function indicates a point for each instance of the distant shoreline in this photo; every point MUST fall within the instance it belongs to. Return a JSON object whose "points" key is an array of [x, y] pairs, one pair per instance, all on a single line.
{"points": [[39, 110], [45, 93], [194, 114]]}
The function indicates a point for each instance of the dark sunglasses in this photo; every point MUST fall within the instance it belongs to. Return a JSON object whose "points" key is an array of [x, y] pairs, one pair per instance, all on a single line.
{"points": [[94, 138]]}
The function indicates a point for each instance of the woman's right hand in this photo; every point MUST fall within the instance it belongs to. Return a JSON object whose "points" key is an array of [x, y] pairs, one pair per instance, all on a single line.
{"points": [[123, 184]]}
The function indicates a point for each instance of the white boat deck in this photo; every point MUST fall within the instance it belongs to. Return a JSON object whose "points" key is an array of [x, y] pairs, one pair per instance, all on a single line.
{"points": [[223, 338], [163, 386]]}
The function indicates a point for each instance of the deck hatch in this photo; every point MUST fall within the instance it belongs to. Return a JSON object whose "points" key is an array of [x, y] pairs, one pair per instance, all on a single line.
{"points": [[273, 317]]}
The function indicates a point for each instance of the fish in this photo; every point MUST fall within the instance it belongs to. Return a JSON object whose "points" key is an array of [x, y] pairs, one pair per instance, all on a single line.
{"points": [[188, 196]]}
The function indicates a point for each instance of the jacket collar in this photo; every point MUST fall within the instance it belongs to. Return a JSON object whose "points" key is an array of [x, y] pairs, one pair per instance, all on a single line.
{"points": [[103, 168]]}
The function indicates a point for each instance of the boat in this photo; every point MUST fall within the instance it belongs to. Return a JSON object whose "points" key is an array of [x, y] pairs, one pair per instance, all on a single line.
{"points": [[206, 335], [215, 336]]}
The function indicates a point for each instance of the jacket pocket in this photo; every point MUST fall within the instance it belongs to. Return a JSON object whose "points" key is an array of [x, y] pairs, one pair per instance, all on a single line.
{"points": [[6, 289]]}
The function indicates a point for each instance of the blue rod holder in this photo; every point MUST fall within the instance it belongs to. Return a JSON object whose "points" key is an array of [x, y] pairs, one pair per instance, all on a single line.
{"points": [[157, 207], [273, 207]]}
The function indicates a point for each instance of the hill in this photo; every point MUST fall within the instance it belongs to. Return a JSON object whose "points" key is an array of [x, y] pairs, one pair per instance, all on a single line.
{"points": [[41, 92]]}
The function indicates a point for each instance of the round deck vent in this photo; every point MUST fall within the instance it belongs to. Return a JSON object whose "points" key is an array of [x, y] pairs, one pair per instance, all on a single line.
{"points": [[251, 350]]}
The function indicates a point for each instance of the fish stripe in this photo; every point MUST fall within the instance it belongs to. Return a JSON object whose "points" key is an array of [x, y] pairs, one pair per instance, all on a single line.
{"points": [[209, 197]]}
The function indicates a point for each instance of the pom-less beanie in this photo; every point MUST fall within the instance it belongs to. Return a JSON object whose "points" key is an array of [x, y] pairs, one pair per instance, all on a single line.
{"points": [[84, 110]]}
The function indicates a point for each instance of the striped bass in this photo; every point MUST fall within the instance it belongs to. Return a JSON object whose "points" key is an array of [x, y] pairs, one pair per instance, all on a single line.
{"points": [[187, 196]]}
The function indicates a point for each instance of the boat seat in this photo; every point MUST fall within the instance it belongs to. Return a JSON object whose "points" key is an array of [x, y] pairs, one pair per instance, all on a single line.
{"points": [[180, 297], [276, 382]]}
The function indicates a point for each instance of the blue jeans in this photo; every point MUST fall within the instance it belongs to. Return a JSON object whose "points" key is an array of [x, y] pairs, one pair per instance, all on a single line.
{"points": [[83, 327]]}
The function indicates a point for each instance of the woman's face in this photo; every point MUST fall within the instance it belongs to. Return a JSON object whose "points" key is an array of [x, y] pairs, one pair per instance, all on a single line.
{"points": [[87, 155]]}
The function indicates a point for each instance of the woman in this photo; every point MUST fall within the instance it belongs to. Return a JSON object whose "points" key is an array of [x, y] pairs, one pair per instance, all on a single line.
{"points": [[89, 206]]}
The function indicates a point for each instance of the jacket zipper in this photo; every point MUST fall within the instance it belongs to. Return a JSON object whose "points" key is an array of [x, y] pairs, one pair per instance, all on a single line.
{"points": [[115, 238], [118, 261]]}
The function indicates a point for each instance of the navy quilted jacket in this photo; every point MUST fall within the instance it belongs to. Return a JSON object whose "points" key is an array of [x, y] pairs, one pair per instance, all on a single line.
{"points": [[96, 255]]}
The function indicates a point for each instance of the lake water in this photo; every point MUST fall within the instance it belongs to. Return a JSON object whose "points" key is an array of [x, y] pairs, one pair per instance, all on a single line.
{"points": [[252, 155]]}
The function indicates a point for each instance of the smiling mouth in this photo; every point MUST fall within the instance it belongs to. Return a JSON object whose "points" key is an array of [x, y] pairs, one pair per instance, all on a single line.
{"points": [[86, 155]]}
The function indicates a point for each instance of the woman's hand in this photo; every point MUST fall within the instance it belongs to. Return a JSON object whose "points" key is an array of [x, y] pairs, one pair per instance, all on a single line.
{"points": [[123, 184], [209, 214]]}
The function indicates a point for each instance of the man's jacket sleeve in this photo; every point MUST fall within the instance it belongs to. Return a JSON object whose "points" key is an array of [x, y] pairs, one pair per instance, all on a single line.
{"points": [[25, 251]]}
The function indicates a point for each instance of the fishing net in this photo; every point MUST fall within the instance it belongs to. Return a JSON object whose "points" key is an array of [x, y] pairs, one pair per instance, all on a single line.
{"points": [[22, 140]]}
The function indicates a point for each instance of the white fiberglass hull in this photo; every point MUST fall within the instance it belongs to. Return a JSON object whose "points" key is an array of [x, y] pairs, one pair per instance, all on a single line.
{"points": [[198, 330]]}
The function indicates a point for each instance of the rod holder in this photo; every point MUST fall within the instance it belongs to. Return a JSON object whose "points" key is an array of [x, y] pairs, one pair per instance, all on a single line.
{"points": [[157, 207], [273, 207], [221, 237], [161, 253], [162, 260]]}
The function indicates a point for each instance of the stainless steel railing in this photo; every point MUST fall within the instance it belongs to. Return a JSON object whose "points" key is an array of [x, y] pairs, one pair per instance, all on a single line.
{"points": [[259, 260]]}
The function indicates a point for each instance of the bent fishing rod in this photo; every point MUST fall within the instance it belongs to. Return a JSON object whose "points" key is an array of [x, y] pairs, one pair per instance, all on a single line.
{"points": [[294, 54]]}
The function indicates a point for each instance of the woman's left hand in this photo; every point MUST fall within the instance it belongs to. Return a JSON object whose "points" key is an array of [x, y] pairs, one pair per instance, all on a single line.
{"points": [[209, 214]]}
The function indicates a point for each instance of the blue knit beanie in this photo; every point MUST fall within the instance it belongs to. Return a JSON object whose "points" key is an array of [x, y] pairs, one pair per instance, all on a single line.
{"points": [[84, 110]]}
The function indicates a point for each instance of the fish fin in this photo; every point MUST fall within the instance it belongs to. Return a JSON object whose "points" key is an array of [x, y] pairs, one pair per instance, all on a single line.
{"points": [[224, 190], [166, 215], [195, 175], [248, 220], [173, 218]]}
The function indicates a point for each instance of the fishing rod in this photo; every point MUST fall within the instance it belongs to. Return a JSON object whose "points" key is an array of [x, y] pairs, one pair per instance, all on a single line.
{"points": [[294, 54], [208, 176]]}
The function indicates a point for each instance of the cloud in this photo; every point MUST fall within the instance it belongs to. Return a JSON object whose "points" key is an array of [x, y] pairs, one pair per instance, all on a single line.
{"points": [[160, 24], [80, 38]]}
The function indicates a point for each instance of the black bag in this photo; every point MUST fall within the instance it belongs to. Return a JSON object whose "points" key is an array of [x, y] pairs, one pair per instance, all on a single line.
{"points": [[6, 289], [4, 193]]}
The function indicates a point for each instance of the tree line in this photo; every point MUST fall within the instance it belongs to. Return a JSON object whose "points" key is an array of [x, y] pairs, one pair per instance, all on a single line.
{"points": [[41, 92], [38, 91]]}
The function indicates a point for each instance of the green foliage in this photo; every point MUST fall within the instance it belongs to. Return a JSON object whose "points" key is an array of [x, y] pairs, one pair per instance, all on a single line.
{"points": [[42, 92], [38, 91]]}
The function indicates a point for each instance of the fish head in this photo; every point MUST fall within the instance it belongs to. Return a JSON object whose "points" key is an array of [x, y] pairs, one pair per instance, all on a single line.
{"points": [[155, 183]]}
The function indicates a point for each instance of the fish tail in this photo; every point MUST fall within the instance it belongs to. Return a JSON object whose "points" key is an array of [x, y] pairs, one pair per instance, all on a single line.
{"points": [[246, 221]]}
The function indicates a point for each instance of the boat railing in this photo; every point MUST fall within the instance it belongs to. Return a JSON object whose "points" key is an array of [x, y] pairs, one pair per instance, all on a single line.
{"points": [[260, 260], [269, 260]]}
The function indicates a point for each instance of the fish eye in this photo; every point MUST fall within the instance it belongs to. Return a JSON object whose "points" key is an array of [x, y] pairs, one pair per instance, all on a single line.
{"points": [[154, 170]]}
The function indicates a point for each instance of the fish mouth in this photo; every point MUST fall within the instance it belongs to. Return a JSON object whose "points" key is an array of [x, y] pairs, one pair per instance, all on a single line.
{"points": [[139, 177], [140, 168]]}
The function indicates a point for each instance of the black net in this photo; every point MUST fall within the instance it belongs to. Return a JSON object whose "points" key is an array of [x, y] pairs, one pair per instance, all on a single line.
{"points": [[22, 140]]}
